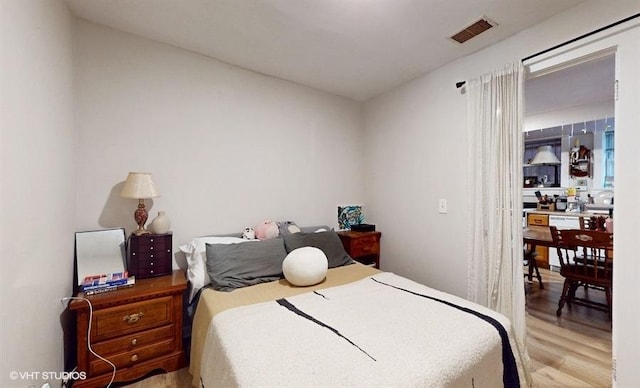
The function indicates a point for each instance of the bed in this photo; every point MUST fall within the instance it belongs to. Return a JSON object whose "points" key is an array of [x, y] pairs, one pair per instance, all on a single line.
{"points": [[358, 327]]}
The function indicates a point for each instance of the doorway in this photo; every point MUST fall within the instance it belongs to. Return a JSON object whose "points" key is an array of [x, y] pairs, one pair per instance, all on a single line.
{"points": [[566, 106], [621, 37]]}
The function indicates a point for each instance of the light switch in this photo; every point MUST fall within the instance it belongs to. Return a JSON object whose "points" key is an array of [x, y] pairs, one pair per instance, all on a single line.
{"points": [[442, 206]]}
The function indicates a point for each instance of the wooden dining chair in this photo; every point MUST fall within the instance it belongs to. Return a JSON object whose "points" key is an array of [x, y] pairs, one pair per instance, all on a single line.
{"points": [[585, 259], [530, 262], [592, 223], [585, 223]]}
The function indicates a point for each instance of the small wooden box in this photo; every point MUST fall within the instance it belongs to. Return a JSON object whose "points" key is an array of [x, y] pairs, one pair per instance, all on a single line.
{"points": [[149, 255], [550, 207]]}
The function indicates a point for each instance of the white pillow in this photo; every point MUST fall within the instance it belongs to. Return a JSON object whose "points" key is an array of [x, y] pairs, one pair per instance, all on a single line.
{"points": [[305, 266], [196, 253]]}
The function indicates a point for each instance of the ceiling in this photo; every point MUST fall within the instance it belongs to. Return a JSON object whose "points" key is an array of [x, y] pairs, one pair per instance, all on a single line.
{"points": [[583, 84], [352, 48]]}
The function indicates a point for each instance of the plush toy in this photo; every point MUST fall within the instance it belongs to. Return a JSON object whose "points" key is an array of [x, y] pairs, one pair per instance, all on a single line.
{"points": [[287, 227], [305, 266], [266, 230], [249, 234]]}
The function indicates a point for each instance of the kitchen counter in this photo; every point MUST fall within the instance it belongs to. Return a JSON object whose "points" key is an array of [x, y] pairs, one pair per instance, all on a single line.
{"points": [[566, 214]]}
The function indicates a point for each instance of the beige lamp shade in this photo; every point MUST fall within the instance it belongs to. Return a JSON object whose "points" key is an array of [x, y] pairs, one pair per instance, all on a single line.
{"points": [[139, 185], [545, 155]]}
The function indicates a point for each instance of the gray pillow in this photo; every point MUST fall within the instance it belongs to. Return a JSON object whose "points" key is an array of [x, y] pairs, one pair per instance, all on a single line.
{"points": [[232, 266], [328, 242]]}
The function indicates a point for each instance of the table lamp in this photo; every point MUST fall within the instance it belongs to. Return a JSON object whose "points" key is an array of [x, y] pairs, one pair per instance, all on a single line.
{"points": [[140, 186]]}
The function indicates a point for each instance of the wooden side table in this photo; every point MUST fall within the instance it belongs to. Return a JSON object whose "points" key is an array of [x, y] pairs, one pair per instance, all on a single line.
{"points": [[139, 329], [363, 247]]}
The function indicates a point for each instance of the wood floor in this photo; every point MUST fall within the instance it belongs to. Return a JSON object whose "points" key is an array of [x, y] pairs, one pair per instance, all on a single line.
{"points": [[571, 351]]}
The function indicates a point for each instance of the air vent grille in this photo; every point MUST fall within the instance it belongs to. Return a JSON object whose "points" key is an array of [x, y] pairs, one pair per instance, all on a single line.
{"points": [[474, 29]]}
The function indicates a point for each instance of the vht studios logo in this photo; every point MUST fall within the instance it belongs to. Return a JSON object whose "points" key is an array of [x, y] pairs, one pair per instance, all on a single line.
{"points": [[48, 375]]}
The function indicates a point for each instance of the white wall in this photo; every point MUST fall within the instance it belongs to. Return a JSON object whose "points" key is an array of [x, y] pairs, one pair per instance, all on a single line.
{"points": [[626, 309], [227, 147], [37, 179], [415, 155]]}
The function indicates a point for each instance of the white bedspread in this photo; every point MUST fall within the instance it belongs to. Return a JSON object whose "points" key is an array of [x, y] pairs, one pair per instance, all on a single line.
{"points": [[377, 335]]}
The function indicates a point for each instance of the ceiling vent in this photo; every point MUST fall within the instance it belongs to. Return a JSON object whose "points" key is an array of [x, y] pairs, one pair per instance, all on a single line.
{"points": [[474, 29]]}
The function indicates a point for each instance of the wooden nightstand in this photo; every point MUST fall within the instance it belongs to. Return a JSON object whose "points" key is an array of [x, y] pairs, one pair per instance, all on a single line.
{"points": [[139, 329], [362, 246], [149, 255]]}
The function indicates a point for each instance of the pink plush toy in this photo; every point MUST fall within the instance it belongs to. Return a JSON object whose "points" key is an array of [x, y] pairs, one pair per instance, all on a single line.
{"points": [[266, 230]]}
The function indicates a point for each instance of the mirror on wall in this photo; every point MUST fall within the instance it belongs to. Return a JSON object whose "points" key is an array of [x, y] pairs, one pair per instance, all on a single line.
{"points": [[572, 110]]}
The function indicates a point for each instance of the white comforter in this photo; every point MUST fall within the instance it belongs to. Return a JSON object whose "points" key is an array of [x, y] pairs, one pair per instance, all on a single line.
{"points": [[378, 331]]}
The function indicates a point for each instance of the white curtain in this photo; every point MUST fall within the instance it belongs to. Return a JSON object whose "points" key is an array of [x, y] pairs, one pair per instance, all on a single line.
{"points": [[495, 268]]}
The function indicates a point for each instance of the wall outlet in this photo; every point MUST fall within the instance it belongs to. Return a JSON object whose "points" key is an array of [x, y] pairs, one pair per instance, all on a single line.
{"points": [[442, 206]]}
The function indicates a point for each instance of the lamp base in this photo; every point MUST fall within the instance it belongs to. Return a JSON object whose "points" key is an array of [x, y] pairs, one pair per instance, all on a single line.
{"points": [[140, 215], [140, 232]]}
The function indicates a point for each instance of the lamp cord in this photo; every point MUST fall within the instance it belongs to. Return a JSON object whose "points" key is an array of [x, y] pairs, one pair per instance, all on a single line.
{"points": [[113, 374]]}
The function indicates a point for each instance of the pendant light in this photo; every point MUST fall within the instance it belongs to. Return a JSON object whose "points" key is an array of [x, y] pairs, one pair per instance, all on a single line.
{"points": [[545, 155]]}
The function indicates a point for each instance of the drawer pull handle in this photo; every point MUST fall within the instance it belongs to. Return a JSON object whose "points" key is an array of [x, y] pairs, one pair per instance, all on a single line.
{"points": [[134, 358], [134, 341], [133, 318]]}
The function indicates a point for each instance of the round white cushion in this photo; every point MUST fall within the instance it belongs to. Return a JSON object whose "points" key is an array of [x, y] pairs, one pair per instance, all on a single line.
{"points": [[305, 266]]}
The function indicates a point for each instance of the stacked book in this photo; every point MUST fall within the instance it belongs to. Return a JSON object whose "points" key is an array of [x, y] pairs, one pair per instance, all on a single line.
{"points": [[96, 284]]}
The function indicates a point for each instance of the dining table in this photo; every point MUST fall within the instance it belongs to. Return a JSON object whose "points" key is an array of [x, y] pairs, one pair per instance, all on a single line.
{"points": [[537, 236]]}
